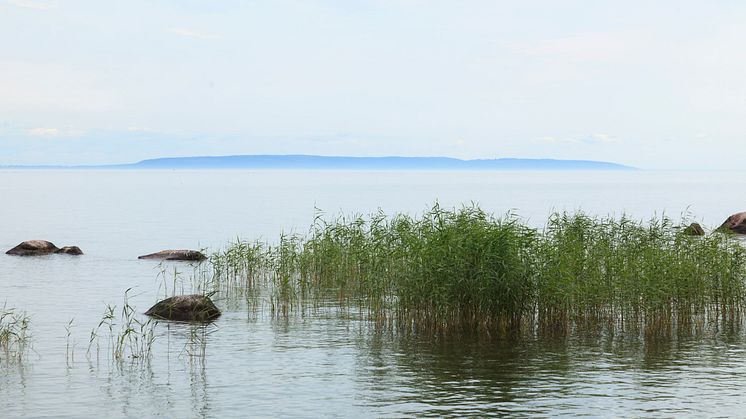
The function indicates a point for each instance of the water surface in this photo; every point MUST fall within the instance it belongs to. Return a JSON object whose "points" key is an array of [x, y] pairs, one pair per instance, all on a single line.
{"points": [[326, 363]]}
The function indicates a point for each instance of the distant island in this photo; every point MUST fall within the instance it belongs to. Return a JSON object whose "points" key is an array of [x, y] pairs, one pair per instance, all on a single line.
{"points": [[310, 162], [367, 163]]}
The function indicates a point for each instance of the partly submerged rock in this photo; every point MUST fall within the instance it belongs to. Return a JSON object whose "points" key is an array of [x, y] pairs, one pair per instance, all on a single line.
{"points": [[42, 247], [195, 307], [33, 248], [694, 229], [70, 250], [175, 255], [736, 223]]}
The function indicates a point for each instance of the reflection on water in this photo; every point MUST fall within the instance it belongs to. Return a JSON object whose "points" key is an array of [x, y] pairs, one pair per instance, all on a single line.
{"points": [[329, 363], [458, 378]]}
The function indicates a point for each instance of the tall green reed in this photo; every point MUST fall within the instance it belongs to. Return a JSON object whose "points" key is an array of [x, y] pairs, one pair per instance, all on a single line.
{"points": [[457, 270], [628, 271]]}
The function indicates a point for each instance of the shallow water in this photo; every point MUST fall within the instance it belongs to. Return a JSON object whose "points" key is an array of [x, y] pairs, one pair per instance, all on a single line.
{"points": [[324, 363]]}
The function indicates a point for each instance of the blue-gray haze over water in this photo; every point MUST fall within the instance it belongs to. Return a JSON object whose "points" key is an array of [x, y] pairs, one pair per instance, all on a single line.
{"points": [[326, 362]]}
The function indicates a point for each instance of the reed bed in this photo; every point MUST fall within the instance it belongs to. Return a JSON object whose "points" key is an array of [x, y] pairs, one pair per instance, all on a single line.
{"points": [[647, 276], [464, 270]]}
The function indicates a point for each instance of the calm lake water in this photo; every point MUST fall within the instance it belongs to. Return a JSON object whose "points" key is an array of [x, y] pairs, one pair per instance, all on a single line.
{"points": [[326, 363]]}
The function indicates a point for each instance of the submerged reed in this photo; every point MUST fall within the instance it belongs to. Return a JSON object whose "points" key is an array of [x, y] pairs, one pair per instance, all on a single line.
{"points": [[466, 270], [14, 334], [128, 337]]}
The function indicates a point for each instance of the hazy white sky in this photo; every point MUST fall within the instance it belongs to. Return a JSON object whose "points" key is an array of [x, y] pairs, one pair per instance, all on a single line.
{"points": [[656, 84]]}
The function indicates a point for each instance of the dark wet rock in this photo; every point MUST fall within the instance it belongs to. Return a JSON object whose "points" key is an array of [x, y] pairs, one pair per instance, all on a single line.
{"points": [[175, 255], [33, 248], [195, 307], [41, 247], [736, 223], [70, 250], [694, 229]]}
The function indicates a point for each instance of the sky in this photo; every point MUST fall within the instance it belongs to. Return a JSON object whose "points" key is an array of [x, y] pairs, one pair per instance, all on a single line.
{"points": [[659, 85]]}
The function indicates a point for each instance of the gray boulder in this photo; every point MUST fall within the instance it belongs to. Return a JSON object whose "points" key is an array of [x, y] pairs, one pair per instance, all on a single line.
{"points": [[175, 255], [195, 307], [40, 248], [736, 223]]}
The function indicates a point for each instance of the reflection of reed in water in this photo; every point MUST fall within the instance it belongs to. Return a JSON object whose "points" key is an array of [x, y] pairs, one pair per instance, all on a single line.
{"points": [[457, 376], [155, 389]]}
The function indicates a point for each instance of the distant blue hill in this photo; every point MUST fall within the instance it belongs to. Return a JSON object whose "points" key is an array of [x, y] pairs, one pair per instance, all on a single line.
{"points": [[306, 162], [364, 163]]}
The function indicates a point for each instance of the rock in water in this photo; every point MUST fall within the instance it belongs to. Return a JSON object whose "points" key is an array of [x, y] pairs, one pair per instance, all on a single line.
{"points": [[736, 223], [40, 248], [33, 248], [694, 229], [70, 250], [195, 307], [175, 255]]}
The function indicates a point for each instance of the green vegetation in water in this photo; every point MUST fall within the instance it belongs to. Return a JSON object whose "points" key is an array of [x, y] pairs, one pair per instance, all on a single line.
{"points": [[465, 270], [14, 334], [127, 336], [70, 345]]}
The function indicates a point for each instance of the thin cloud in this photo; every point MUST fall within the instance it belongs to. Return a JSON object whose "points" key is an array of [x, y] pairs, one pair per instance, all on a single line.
{"points": [[28, 4], [598, 46], [191, 33], [598, 138], [601, 138], [555, 140], [44, 132]]}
